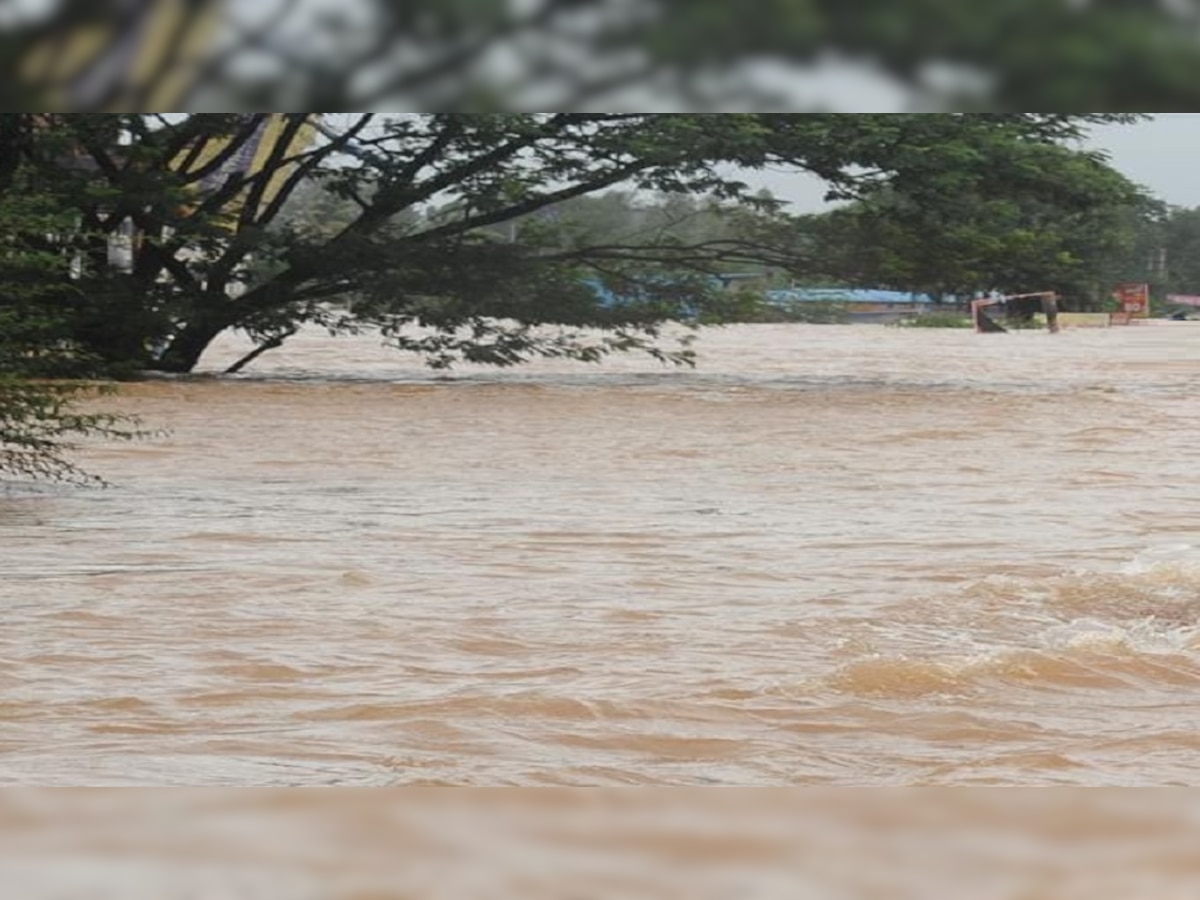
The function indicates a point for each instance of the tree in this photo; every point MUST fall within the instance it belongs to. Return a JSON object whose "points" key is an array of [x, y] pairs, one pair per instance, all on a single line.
{"points": [[424, 253], [1165, 252], [1172, 252], [40, 420], [40, 426], [689, 55], [1011, 217]]}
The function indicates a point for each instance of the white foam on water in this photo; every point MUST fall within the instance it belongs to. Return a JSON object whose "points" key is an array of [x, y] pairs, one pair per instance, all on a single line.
{"points": [[1149, 635]]}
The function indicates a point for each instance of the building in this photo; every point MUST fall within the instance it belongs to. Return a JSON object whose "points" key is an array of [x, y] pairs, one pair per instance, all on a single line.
{"points": [[860, 305]]}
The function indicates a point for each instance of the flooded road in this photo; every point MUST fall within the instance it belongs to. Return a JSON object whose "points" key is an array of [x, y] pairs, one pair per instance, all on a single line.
{"points": [[830, 555]]}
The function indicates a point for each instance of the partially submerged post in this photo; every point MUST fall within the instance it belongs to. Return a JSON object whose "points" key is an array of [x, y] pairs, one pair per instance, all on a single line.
{"points": [[986, 325]]}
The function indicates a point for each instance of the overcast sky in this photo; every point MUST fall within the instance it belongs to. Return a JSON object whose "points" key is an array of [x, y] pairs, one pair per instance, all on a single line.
{"points": [[1163, 154]]}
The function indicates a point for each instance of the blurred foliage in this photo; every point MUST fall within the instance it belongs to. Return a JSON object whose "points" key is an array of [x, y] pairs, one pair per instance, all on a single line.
{"points": [[687, 55]]}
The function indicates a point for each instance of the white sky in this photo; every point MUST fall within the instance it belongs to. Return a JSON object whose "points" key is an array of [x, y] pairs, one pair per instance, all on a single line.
{"points": [[1161, 154]]}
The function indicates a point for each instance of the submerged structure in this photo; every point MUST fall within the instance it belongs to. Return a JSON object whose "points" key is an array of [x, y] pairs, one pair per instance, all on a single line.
{"points": [[1015, 306]]}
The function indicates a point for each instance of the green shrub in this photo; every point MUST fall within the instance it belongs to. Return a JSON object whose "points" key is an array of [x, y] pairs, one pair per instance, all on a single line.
{"points": [[941, 319], [814, 312]]}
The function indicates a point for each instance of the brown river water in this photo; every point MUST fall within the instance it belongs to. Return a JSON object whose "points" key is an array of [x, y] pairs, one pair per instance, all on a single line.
{"points": [[827, 556]]}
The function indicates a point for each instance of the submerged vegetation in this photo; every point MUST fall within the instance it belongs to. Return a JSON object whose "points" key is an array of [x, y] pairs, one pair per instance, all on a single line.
{"points": [[948, 319], [461, 237], [131, 241], [41, 426], [43, 371]]}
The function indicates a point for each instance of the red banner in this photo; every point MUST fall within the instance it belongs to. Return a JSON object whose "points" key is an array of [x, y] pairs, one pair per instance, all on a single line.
{"points": [[1183, 299], [1134, 299]]}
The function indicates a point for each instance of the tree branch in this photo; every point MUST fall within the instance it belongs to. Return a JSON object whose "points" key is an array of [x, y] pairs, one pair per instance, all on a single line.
{"points": [[314, 159], [270, 167], [271, 343], [533, 204], [235, 143], [717, 250]]}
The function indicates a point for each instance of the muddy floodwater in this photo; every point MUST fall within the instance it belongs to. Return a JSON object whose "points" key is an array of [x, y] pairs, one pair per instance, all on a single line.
{"points": [[829, 555]]}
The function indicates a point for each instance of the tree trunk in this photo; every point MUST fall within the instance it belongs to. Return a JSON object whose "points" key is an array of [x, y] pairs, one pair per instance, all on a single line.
{"points": [[269, 344], [186, 348], [216, 313]]}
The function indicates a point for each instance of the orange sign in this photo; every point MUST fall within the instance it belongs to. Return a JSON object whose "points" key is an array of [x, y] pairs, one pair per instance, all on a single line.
{"points": [[1134, 299]]}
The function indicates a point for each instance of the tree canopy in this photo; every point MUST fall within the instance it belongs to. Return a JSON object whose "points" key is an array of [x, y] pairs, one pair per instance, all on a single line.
{"points": [[131, 241], [445, 230], [40, 419], [1014, 219]]}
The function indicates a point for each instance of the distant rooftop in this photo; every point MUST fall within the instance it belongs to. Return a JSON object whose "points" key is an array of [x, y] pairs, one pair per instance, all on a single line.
{"points": [[846, 295]]}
